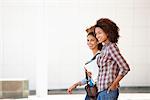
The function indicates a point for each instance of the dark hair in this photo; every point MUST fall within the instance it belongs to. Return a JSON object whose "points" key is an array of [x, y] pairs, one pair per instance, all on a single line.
{"points": [[110, 28], [93, 34], [91, 29]]}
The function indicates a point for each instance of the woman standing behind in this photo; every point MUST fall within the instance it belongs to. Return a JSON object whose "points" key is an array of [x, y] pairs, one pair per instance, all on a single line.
{"points": [[112, 65], [91, 67]]}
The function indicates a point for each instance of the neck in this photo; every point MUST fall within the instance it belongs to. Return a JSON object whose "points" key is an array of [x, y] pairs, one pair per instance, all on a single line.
{"points": [[94, 51], [106, 42]]}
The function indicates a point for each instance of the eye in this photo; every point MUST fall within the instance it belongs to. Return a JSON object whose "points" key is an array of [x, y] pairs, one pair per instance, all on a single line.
{"points": [[92, 39], [98, 32]]}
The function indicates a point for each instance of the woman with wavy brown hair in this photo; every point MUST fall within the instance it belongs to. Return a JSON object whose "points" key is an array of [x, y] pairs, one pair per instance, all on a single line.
{"points": [[112, 66]]}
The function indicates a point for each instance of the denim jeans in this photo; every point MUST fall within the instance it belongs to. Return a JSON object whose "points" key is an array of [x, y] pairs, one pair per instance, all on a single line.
{"points": [[112, 95], [87, 97]]}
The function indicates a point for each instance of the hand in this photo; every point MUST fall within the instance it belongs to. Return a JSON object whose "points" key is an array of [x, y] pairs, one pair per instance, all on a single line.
{"points": [[69, 90], [115, 84], [88, 72], [112, 87]]}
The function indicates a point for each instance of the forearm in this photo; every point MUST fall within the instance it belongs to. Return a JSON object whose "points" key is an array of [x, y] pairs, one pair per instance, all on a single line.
{"points": [[117, 80], [115, 83], [77, 84], [69, 90]]}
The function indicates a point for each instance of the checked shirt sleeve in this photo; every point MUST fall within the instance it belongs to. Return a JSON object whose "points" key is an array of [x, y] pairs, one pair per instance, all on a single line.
{"points": [[115, 54]]}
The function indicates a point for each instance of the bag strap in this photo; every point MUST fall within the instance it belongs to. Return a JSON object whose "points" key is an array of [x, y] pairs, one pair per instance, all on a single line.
{"points": [[92, 59], [86, 75]]}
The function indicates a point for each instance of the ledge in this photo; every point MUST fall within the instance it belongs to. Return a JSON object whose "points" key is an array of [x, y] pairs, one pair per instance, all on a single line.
{"points": [[82, 91]]}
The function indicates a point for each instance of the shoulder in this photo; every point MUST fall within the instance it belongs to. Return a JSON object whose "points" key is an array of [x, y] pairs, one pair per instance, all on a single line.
{"points": [[113, 46], [98, 52]]}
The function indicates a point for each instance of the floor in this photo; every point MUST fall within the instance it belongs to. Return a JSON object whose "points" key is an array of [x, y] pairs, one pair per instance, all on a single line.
{"points": [[122, 96], [126, 93]]}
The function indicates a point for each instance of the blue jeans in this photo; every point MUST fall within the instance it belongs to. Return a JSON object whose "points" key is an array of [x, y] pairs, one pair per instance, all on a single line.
{"points": [[112, 95], [87, 97]]}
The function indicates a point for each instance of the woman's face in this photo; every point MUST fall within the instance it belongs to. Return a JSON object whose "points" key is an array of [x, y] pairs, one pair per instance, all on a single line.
{"points": [[101, 35], [92, 42]]}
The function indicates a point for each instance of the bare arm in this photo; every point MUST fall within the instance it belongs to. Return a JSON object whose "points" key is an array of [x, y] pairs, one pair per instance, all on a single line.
{"points": [[69, 90]]}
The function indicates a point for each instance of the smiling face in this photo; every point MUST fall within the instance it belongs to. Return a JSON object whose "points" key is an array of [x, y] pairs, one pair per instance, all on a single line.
{"points": [[101, 35], [92, 42]]}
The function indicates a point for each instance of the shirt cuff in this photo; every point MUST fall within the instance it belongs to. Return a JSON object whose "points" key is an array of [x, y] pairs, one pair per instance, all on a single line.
{"points": [[83, 82]]}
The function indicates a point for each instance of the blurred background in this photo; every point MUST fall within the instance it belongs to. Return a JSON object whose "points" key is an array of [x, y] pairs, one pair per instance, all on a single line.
{"points": [[45, 40]]}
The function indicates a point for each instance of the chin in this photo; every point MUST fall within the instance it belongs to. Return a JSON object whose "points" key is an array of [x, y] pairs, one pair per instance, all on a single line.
{"points": [[99, 41], [90, 48]]}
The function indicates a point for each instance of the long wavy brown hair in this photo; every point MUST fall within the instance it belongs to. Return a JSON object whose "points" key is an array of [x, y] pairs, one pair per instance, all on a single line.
{"points": [[91, 31], [110, 28]]}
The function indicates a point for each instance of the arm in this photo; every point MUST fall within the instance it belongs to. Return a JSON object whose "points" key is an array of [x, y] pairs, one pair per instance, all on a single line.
{"points": [[115, 84], [82, 82], [122, 64], [69, 90]]}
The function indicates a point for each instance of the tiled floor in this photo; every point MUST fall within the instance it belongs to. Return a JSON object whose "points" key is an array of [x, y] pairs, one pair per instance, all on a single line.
{"points": [[122, 96]]}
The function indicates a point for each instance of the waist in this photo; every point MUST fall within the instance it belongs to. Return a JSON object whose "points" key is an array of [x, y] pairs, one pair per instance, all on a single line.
{"points": [[106, 90], [103, 87]]}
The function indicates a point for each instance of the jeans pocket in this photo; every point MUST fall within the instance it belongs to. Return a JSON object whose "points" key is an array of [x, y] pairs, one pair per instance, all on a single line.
{"points": [[113, 94]]}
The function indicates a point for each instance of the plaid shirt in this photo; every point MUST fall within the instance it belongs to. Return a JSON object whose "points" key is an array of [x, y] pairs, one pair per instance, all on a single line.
{"points": [[111, 64]]}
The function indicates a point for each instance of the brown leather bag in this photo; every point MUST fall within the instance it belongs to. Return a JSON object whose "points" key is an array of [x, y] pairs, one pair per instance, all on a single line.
{"points": [[91, 91]]}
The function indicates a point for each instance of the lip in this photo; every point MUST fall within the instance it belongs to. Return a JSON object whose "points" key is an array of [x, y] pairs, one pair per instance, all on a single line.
{"points": [[90, 45]]}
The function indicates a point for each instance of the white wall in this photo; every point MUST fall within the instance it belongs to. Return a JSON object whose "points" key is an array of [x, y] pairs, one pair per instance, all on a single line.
{"points": [[1, 42], [65, 22], [21, 22]]}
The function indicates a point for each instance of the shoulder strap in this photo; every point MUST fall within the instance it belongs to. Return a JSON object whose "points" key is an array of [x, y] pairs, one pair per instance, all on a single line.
{"points": [[88, 63], [92, 59]]}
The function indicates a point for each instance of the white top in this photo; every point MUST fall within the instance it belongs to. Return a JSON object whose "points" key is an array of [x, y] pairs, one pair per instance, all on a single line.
{"points": [[93, 68]]}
